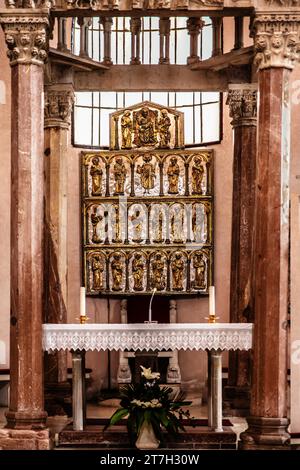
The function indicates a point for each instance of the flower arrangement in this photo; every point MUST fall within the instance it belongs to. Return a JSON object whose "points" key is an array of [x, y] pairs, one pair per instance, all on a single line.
{"points": [[148, 402]]}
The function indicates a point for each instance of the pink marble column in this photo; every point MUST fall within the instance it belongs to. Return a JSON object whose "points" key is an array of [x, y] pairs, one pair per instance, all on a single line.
{"points": [[26, 37], [58, 106], [275, 39], [243, 111]]}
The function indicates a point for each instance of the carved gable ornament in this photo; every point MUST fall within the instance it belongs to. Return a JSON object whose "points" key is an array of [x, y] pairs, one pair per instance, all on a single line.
{"points": [[146, 126]]}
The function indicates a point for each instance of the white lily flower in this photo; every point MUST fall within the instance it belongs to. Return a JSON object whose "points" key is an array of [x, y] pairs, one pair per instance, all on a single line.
{"points": [[148, 374]]}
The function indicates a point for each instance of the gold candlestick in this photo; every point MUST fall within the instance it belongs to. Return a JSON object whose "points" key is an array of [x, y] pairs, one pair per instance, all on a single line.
{"points": [[83, 319], [212, 319]]}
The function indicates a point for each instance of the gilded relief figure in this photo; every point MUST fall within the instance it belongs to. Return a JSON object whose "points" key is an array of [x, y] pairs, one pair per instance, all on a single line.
{"points": [[117, 272], [197, 176], [117, 228], [164, 125], [197, 226], [126, 126], [199, 267], [147, 172], [97, 269], [96, 174], [177, 225], [177, 267], [159, 229], [120, 175], [138, 272], [145, 127], [173, 172], [95, 219], [137, 225], [158, 275]]}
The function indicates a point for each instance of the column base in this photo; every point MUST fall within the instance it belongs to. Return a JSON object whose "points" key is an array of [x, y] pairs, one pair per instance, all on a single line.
{"points": [[236, 401], [17, 439], [58, 399], [265, 434], [26, 420]]}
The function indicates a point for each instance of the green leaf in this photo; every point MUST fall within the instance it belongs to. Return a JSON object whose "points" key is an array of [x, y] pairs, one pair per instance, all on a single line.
{"points": [[118, 415]]}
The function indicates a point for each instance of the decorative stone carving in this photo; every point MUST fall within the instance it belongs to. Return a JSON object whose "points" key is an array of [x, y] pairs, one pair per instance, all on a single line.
{"points": [[26, 37], [30, 3], [242, 106], [58, 108], [276, 40]]}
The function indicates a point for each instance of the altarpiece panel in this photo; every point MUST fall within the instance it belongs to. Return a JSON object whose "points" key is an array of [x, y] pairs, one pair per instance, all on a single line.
{"points": [[147, 208]]}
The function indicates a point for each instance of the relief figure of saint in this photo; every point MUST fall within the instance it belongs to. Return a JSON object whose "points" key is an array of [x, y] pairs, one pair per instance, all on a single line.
{"points": [[145, 129], [158, 272], [197, 176], [120, 175], [96, 174], [173, 172], [138, 272], [199, 267], [95, 219], [164, 125], [117, 228], [177, 226], [97, 269], [126, 126], [177, 272], [137, 225], [147, 172], [117, 272], [159, 229]]}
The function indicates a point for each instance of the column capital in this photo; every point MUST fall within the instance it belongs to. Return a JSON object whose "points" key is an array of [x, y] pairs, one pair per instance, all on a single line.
{"points": [[26, 35], [194, 25], [242, 102], [276, 39], [58, 106], [135, 25]]}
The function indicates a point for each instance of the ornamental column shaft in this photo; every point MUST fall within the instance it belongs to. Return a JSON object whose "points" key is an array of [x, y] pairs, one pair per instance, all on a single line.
{"points": [[276, 42], [26, 37], [243, 111]]}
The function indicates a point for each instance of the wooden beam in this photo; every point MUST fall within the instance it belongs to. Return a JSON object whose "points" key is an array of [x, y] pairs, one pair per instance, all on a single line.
{"points": [[243, 56], [154, 78], [78, 63]]}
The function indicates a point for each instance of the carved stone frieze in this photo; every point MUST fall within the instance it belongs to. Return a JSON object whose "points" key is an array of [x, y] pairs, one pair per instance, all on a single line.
{"points": [[242, 104], [26, 36], [58, 108], [276, 40], [128, 5], [30, 3]]}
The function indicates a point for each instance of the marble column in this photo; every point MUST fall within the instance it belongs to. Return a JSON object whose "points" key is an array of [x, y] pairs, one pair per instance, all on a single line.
{"points": [[26, 35], [243, 111], [58, 106], [276, 39], [194, 27]]}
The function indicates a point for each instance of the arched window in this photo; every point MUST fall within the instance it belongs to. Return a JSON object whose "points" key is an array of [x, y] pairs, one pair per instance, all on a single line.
{"points": [[92, 109]]}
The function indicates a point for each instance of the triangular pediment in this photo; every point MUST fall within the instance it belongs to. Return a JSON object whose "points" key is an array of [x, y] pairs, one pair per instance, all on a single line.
{"points": [[146, 125]]}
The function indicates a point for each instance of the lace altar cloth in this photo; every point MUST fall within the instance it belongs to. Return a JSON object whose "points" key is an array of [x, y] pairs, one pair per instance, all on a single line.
{"points": [[145, 336]]}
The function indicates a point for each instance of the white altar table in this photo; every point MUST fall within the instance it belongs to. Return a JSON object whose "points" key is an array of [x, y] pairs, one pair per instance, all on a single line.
{"points": [[212, 337]]}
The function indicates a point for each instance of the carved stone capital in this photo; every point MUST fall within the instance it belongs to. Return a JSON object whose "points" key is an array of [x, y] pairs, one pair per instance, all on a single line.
{"points": [[30, 3], [276, 40], [58, 107], [194, 25], [26, 36], [242, 104]]}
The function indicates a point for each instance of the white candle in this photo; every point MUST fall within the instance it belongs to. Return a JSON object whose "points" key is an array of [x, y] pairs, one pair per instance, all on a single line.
{"points": [[212, 307], [82, 302]]}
